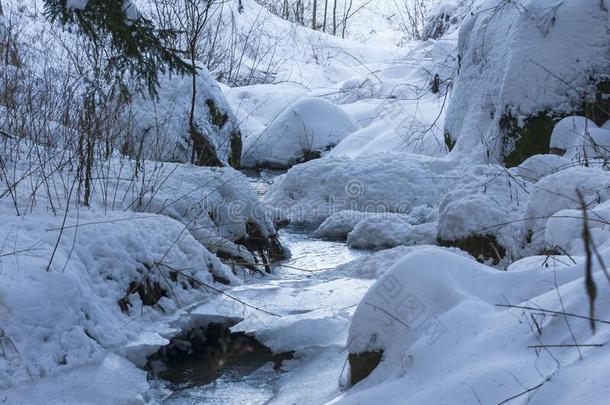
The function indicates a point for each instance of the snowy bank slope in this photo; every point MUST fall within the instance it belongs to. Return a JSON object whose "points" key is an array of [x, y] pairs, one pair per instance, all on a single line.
{"points": [[108, 278], [80, 283], [444, 340]]}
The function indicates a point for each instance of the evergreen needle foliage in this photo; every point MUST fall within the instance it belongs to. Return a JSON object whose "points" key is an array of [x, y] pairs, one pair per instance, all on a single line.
{"points": [[136, 47]]}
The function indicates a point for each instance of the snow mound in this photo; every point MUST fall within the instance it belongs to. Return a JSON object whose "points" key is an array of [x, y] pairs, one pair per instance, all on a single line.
{"points": [[568, 131], [565, 228], [478, 214], [384, 232], [594, 143], [341, 223], [161, 126], [538, 166], [559, 191], [434, 317], [388, 183], [521, 66], [304, 130]]}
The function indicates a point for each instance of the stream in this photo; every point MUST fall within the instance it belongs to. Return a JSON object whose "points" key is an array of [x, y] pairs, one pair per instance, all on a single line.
{"points": [[252, 377]]}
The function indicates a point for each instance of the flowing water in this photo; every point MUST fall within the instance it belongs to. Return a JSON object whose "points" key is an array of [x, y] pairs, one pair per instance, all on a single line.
{"points": [[252, 378]]}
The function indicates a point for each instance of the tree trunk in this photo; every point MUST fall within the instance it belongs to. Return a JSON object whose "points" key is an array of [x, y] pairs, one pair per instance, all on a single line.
{"points": [[335, 17], [314, 16], [325, 15]]}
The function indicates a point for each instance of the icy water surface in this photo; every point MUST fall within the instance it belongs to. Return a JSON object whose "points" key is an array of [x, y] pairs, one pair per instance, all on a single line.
{"points": [[252, 379]]}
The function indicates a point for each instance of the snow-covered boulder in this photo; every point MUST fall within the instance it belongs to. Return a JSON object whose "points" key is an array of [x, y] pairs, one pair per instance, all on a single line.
{"points": [[559, 191], [386, 183], [160, 127], [538, 166], [565, 228], [594, 143], [568, 132], [478, 214], [523, 66], [433, 316], [303, 131], [374, 230], [384, 232]]}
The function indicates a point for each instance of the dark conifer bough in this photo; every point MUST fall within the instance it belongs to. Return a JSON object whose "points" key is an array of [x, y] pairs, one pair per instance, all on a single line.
{"points": [[138, 49]]}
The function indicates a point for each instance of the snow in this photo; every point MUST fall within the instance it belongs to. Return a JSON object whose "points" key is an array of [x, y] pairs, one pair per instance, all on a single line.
{"points": [[372, 230], [387, 233], [538, 166], [559, 191], [568, 131], [161, 125], [565, 228], [389, 183], [111, 380], [76, 4], [459, 346], [383, 192], [522, 59], [65, 314], [310, 125]]}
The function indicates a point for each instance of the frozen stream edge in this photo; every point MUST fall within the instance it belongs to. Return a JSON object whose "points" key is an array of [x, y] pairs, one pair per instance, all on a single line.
{"points": [[314, 303]]}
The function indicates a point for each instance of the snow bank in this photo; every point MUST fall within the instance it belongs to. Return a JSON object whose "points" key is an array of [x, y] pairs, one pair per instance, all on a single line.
{"points": [[217, 206], [120, 269], [304, 130], [517, 62], [161, 126], [434, 316], [97, 293]]}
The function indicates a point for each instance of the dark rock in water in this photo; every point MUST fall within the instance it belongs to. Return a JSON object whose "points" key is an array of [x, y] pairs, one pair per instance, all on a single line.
{"points": [[362, 365], [201, 355]]}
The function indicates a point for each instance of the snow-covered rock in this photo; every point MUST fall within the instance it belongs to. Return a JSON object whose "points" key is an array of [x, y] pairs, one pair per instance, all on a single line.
{"points": [[434, 317], [565, 228], [373, 230], [538, 166], [520, 67], [594, 143], [480, 214], [384, 232], [387, 183], [559, 191], [304, 130], [568, 132], [161, 126]]}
